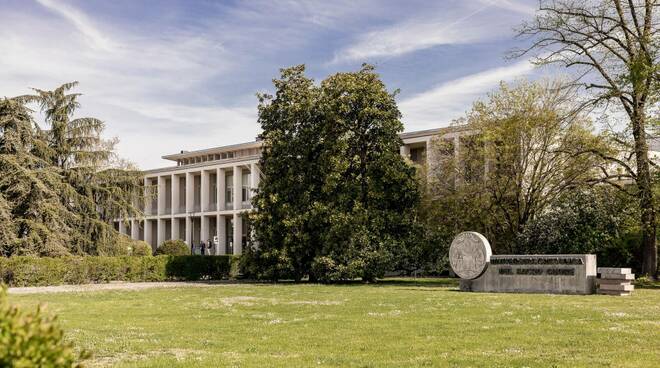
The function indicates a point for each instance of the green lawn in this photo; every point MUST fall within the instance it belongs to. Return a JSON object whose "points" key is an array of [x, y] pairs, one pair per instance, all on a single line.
{"points": [[392, 324]]}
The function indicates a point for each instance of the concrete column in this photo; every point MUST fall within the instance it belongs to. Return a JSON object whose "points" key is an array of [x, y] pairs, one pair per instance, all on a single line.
{"points": [[175, 228], [254, 178], [162, 192], [237, 187], [175, 194], [135, 229], [204, 229], [405, 151], [160, 232], [190, 193], [238, 232], [147, 232], [220, 176], [188, 230], [122, 227], [221, 229], [204, 191]]}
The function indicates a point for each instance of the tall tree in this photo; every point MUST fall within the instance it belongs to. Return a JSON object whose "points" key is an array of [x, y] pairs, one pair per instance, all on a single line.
{"points": [[61, 187], [523, 150], [108, 188], [614, 47], [336, 198], [35, 220]]}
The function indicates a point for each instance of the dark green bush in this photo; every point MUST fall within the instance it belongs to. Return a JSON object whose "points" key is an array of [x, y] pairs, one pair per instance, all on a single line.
{"points": [[173, 248], [141, 248], [31, 339], [34, 271]]}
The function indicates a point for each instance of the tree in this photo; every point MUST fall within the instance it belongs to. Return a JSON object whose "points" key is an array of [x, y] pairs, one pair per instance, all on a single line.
{"points": [[107, 187], [60, 187], [35, 220], [524, 149], [336, 198], [596, 219], [614, 47]]}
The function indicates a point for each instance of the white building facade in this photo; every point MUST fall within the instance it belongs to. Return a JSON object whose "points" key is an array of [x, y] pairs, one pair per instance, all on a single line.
{"points": [[205, 197]]}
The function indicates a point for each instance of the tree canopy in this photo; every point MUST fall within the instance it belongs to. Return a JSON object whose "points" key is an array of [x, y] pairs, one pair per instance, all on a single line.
{"points": [[524, 147], [336, 200], [61, 187]]}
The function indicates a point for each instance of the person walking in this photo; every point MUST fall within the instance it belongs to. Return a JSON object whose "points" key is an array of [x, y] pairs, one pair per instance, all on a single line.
{"points": [[202, 247]]}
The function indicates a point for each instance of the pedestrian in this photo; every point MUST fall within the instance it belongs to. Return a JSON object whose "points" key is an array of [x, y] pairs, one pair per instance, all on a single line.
{"points": [[202, 247]]}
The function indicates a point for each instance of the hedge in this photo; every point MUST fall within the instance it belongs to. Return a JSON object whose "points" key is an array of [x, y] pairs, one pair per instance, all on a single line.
{"points": [[34, 271]]}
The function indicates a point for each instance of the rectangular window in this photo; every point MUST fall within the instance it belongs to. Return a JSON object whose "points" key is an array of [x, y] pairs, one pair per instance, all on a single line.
{"points": [[245, 193], [229, 188]]}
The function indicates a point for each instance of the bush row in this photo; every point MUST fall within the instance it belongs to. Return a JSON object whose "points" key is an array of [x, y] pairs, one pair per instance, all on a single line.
{"points": [[33, 271]]}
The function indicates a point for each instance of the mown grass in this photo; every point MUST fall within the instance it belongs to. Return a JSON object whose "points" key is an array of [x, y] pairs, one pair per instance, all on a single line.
{"points": [[398, 323]]}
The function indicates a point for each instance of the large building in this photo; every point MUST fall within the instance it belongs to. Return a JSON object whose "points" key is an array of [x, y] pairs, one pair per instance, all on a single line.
{"points": [[203, 197]]}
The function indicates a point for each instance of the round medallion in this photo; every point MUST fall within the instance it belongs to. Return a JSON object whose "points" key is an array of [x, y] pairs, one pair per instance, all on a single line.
{"points": [[469, 254]]}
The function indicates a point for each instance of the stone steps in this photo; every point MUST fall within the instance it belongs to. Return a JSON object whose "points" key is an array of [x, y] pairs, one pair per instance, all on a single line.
{"points": [[615, 281]]}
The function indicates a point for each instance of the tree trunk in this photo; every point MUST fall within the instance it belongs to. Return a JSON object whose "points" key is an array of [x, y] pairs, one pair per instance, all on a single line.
{"points": [[649, 249]]}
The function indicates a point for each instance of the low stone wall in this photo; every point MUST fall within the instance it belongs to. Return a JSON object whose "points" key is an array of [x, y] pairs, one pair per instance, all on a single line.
{"points": [[557, 274]]}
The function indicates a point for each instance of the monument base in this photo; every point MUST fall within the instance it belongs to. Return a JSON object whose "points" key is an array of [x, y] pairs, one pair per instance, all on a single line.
{"points": [[556, 274]]}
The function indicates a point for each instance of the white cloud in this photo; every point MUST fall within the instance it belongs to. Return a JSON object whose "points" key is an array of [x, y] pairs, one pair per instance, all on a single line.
{"points": [[79, 20], [448, 101], [146, 89], [456, 23], [413, 35]]}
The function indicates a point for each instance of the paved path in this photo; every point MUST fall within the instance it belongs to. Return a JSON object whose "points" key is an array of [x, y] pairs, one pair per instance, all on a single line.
{"points": [[112, 286]]}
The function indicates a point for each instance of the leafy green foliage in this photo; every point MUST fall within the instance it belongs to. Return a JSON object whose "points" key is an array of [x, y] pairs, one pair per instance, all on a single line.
{"points": [[598, 220], [140, 248], [175, 247], [32, 339], [42, 271], [336, 200]]}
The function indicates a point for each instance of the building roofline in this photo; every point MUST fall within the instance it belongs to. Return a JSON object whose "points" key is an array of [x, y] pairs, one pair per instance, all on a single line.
{"points": [[255, 144], [205, 151]]}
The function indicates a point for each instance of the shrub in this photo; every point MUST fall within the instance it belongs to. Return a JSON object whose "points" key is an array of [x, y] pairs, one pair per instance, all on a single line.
{"points": [[31, 339], [33, 271], [141, 249], [174, 248], [120, 247]]}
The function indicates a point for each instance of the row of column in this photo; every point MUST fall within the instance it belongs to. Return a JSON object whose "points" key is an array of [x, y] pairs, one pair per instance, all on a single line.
{"points": [[236, 204]]}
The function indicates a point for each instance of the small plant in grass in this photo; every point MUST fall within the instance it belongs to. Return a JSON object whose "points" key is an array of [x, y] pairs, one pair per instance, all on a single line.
{"points": [[175, 247], [32, 339]]}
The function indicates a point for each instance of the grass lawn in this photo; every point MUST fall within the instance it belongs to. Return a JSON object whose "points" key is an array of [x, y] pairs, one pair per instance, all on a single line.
{"points": [[399, 323]]}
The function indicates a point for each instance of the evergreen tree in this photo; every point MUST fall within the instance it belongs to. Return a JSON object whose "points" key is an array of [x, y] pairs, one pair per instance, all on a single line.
{"points": [[336, 200]]}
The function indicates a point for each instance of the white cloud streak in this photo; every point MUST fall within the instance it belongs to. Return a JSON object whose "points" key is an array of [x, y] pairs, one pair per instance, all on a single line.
{"points": [[440, 105], [79, 20], [468, 24]]}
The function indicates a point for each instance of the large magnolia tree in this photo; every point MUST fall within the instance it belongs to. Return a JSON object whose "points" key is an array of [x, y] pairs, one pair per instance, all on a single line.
{"points": [[336, 199]]}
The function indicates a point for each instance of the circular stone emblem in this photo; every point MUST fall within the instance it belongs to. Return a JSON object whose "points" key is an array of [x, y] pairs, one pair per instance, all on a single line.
{"points": [[469, 254]]}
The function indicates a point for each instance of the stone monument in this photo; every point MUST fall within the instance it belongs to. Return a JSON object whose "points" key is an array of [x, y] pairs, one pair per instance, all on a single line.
{"points": [[471, 259], [469, 255]]}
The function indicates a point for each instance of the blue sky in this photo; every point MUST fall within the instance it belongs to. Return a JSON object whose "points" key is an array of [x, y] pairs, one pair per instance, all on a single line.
{"points": [[170, 75]]}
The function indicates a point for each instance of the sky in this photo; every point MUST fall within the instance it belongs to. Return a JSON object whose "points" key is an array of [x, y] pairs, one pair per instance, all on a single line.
{"points": [[169, 75]]}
